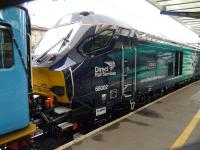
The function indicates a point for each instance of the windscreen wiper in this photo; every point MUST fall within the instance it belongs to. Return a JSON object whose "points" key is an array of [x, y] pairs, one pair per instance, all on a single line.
{"points": [[45, 53], [66, 40]]}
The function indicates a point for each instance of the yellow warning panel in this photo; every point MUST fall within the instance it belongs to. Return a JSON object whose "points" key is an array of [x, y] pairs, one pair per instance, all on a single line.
{"points": [[45, 80], [18, 134]]}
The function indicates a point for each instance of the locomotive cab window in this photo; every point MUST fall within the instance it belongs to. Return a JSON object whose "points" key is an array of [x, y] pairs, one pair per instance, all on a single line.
{"points": [[98, 42], [6, 50]]}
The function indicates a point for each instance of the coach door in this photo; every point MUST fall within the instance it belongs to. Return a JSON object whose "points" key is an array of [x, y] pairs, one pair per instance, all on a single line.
{"points": [[127, 67]]}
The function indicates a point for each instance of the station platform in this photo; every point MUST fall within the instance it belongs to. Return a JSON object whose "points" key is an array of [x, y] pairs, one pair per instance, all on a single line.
{"points": [[171, 122]]}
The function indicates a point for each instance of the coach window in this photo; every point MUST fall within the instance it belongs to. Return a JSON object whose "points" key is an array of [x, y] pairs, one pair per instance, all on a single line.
{"points": [[98, 42], [6, 50]]}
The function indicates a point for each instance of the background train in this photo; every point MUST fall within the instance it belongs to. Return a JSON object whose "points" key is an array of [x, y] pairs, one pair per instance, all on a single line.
{"points": [[89, 67], [13, 67], [15, 79]]}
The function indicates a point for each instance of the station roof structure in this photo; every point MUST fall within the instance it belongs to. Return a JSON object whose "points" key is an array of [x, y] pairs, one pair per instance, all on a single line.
{"points": [[186, 12]]}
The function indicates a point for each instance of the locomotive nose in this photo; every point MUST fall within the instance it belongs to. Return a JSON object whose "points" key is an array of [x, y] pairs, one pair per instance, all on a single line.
{"points": [[49, 83]]}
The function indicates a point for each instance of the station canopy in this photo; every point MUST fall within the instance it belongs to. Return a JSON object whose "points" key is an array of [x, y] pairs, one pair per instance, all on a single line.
{"points": [[187, 12]]}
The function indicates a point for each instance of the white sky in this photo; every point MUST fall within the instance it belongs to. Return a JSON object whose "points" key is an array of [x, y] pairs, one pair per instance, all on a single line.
{"points": [[138, 13]]}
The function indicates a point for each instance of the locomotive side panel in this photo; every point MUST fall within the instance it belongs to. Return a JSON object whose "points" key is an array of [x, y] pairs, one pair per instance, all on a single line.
{"points": [[162, 66], [155, 64]]}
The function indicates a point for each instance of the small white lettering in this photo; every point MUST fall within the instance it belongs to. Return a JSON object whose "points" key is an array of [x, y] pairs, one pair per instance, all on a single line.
{"points": [[101, 88]]}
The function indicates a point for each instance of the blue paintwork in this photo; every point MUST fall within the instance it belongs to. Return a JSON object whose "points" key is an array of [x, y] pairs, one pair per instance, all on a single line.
{"points": [[14, 110]]}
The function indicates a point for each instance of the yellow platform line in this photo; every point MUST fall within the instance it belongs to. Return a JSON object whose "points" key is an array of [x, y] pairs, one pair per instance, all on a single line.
{"points": [[187, 132]]}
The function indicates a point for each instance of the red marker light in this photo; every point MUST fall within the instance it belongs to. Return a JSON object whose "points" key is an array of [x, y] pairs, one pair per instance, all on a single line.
{"points": [[52, 59]]}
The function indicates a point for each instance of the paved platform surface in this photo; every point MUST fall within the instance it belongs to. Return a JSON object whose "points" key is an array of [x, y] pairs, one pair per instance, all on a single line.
{"points": [[157, 127]]}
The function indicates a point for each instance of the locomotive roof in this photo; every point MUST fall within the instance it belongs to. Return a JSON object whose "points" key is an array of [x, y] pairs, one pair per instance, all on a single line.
{"points": [[101, 19], [91, 18], [95, 19], [153, 38]]}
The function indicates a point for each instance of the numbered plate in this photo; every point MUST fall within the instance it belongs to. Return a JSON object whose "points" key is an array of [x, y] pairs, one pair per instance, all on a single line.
{"points": [[100, 111]]}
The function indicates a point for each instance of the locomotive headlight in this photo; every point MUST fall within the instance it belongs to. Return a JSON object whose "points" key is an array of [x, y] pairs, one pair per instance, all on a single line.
{"points": [[103, 98]]}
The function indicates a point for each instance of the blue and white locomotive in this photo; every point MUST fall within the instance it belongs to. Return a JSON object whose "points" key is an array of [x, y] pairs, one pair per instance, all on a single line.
{"points": [[104, 66]]}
